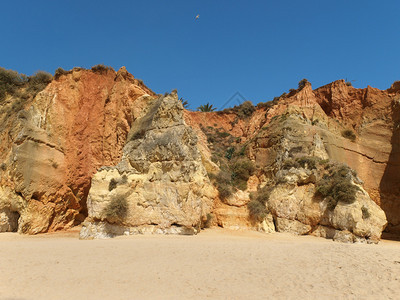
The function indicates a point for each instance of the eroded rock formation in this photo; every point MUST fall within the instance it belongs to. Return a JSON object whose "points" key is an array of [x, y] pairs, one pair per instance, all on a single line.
{"points": [[309, 193], [50, 149], [160, 184], [324, 117], [98, 144]]}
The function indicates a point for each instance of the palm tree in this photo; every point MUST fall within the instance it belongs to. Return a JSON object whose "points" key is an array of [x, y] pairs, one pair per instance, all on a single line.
{"points": [[184, 103], [206, 108]]}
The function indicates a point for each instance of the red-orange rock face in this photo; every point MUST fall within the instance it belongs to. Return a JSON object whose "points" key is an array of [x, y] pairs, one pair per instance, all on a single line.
{"points": [[76, 125]]}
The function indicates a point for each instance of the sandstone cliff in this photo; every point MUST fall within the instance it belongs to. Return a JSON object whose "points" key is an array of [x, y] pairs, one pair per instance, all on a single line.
{"points": [[98, 144], [329, 114], [51, 148]]}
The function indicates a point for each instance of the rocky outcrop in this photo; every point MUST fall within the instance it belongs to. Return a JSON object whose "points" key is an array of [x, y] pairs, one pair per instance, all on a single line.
{"points": [[292, 148], [298, 208], [326, 114], [50, 149], [159, 186]]}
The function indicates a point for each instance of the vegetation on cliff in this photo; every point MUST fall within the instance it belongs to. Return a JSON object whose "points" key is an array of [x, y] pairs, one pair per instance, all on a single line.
{"points": [[349, 134], [258, 204], [336, 185], [19, 85], [117, 209], [230, 155], [243, 111], [206, 107]]}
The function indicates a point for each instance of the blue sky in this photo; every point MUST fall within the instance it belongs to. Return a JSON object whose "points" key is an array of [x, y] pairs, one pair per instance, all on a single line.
{"points": [[258, 48]]}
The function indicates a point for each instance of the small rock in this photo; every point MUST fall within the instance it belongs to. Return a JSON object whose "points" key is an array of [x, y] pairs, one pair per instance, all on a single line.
{"points": [[292, 226]]}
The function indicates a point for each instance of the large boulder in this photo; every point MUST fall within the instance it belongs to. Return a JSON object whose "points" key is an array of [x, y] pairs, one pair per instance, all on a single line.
{"points": [[160, 184], [298, 208]]}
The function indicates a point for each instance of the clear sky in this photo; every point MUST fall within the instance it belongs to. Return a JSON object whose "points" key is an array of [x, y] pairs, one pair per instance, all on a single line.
{"points": [[259, 48]]}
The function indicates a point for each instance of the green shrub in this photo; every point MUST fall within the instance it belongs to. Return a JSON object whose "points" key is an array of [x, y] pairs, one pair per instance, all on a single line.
{"points": [[124, 179], [230, 155], [349, 134], [59, 72], [348, 82], [267, 105], [223, 134], [138, 134], [229, 152], [365, 212], [112, 185], [324, 186], [257, 205], [241, 172], [274, 139], [224, 190], [245, 110], [344, 191], [323, 162], [308, 162], [290, 163], [12, 78], [295, 150], [117, 209], [208, 222], [314, 122], [3, 93], [38, 81], [331, 203], [262, 194], [302, 83], [235, 176], [242, 150], [10, 82], [40, 77], [223, 184], [101, 69], [337, 186], [257, 210]]}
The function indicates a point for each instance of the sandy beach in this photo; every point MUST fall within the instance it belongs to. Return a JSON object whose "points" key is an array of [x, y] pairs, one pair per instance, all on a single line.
{"points": [[216, 264]]}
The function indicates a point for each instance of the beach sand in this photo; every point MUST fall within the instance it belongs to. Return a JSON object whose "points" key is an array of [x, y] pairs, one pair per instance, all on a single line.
{"points": [[216, 264]]}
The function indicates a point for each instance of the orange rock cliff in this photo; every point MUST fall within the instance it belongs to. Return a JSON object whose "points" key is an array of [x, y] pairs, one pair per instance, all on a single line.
{"points": [[52, 145]]}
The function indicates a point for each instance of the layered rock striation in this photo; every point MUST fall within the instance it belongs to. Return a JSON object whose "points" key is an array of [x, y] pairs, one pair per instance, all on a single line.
{"points": [[99, 145], [307, 192], [50, 147]]}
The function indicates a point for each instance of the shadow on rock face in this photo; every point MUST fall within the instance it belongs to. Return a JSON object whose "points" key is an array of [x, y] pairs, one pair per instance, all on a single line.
{"points": [[390, 183]]}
